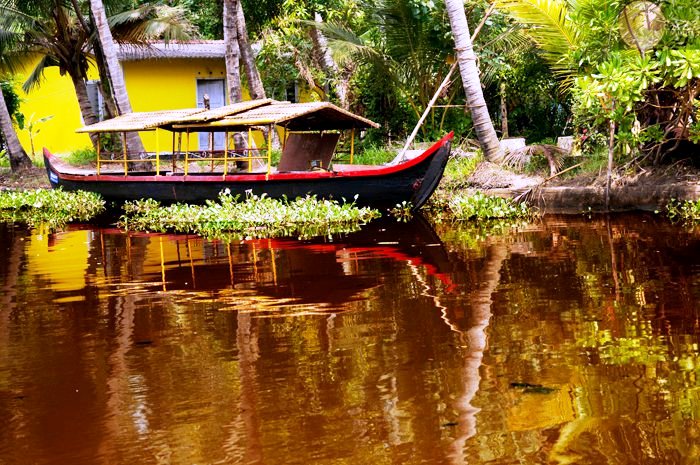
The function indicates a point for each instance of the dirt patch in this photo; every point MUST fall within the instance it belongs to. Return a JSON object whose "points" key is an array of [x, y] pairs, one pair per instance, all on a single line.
{"points": [[26, 179]]}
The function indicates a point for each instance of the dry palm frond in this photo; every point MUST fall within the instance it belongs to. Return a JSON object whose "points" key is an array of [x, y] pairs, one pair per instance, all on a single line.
{"points": [[517, 159]]}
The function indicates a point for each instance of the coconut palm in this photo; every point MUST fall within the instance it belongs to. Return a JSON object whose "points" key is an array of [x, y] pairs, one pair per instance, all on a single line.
{"points": [[255, 84], [483, 126], [59, 32], [552, 29], [18, 157], [111, 71], [9, 35], [232, 57]]}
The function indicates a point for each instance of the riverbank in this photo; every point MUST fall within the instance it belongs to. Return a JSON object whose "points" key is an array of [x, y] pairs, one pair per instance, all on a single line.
{"points": [[28, 178], [649, 189]]}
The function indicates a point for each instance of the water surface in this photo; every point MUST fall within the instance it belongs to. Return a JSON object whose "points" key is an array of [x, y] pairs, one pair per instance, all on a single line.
{"points": [[563, 341]]}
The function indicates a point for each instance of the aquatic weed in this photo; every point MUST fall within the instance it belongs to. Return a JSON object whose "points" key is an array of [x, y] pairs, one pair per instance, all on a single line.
{"points": [[687, 211], [402, 211], [463, 206], [256, 216], [53, 208]]}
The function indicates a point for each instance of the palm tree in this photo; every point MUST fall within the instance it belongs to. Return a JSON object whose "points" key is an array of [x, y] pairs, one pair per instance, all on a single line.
{"points": [[9, 35], [233, 70], [551, 29], [111, 70], [18, 157], [64, 39], [328, 64], [255, 84], [483, 126]]}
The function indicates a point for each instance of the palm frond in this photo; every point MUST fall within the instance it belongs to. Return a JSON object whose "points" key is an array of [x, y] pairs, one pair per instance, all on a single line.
{"points": [[345, 45], [550, 27], [150, 22], [37, 75]]}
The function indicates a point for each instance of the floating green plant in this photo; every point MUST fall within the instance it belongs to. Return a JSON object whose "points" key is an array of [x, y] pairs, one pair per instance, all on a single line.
{"points": [[256, 216], [479, 206], [51, 208], [687, 211]]}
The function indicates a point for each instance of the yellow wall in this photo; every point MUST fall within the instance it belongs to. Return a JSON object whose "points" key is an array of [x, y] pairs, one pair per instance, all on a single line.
{"points": [[55, 97], [151, 85], [165, 85]]}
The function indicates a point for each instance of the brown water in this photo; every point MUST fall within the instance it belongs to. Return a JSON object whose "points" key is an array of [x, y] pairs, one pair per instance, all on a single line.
{"points": [[566, 341]]}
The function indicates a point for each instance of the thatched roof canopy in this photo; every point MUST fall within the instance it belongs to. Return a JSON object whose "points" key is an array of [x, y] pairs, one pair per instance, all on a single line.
{"points": [[311, 116], [222, 112], [140, 121]]}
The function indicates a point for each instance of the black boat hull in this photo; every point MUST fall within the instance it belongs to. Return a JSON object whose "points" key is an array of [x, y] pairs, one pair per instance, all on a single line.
{"points": [[413, 181]]}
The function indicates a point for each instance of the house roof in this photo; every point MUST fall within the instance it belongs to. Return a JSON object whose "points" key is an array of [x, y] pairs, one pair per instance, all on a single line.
{"points": [[172, 50]]}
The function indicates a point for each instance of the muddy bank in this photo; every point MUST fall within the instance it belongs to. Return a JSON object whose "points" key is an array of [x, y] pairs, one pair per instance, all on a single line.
{"points": [[650, 190], [584, 199]]}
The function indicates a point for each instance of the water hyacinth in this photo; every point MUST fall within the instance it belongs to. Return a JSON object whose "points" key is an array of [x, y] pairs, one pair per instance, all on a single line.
{"points": [[687, 211], [481, 206], [257, 216], [52, 209]]}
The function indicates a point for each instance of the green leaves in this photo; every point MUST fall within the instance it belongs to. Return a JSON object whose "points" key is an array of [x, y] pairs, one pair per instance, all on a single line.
{"points": [[51, 208], [480, 206], [257, 216]]}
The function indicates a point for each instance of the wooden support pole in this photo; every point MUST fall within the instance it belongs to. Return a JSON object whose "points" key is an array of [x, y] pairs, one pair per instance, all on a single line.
{"points": [[126, 163], [157, 154], [187, 152], [99, 141], [352, 144]]}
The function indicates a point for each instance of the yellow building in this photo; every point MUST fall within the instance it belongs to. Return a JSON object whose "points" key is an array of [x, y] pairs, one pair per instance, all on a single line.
{"points": [[159, 77]]}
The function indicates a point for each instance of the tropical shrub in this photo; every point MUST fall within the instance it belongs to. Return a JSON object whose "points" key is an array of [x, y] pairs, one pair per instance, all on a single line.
{"points": [[639, 72]]}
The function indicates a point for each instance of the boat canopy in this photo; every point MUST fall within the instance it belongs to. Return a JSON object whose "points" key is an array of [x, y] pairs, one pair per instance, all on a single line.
{"points": [[311, 133], [140, 121], [311, 116]]}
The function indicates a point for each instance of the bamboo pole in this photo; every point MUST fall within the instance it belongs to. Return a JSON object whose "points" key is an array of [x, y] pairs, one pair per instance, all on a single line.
{"points": [[98, 152], [402, 154]]}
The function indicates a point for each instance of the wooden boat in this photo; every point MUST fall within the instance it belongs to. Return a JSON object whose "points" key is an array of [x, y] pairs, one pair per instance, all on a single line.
{"points": [[309, 163]]}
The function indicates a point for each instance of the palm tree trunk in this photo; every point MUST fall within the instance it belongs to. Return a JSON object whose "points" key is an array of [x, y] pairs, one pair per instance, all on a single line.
{"points": [[255, 84], [233, 70], [113, 71], [84, 104], [471, 82], [329, 66], [18, 157], [504, 110]]}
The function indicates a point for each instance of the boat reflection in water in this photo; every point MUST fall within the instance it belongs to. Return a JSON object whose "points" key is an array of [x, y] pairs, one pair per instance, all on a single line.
{"points": [[563, 341], [274, 275]]}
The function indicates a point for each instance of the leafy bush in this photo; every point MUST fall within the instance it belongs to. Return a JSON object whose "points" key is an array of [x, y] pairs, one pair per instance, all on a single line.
{"points": [[83, 156]]}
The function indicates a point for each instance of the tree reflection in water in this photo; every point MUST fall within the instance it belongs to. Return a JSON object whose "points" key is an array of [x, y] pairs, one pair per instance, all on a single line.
{"points": [[564, 341]]}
